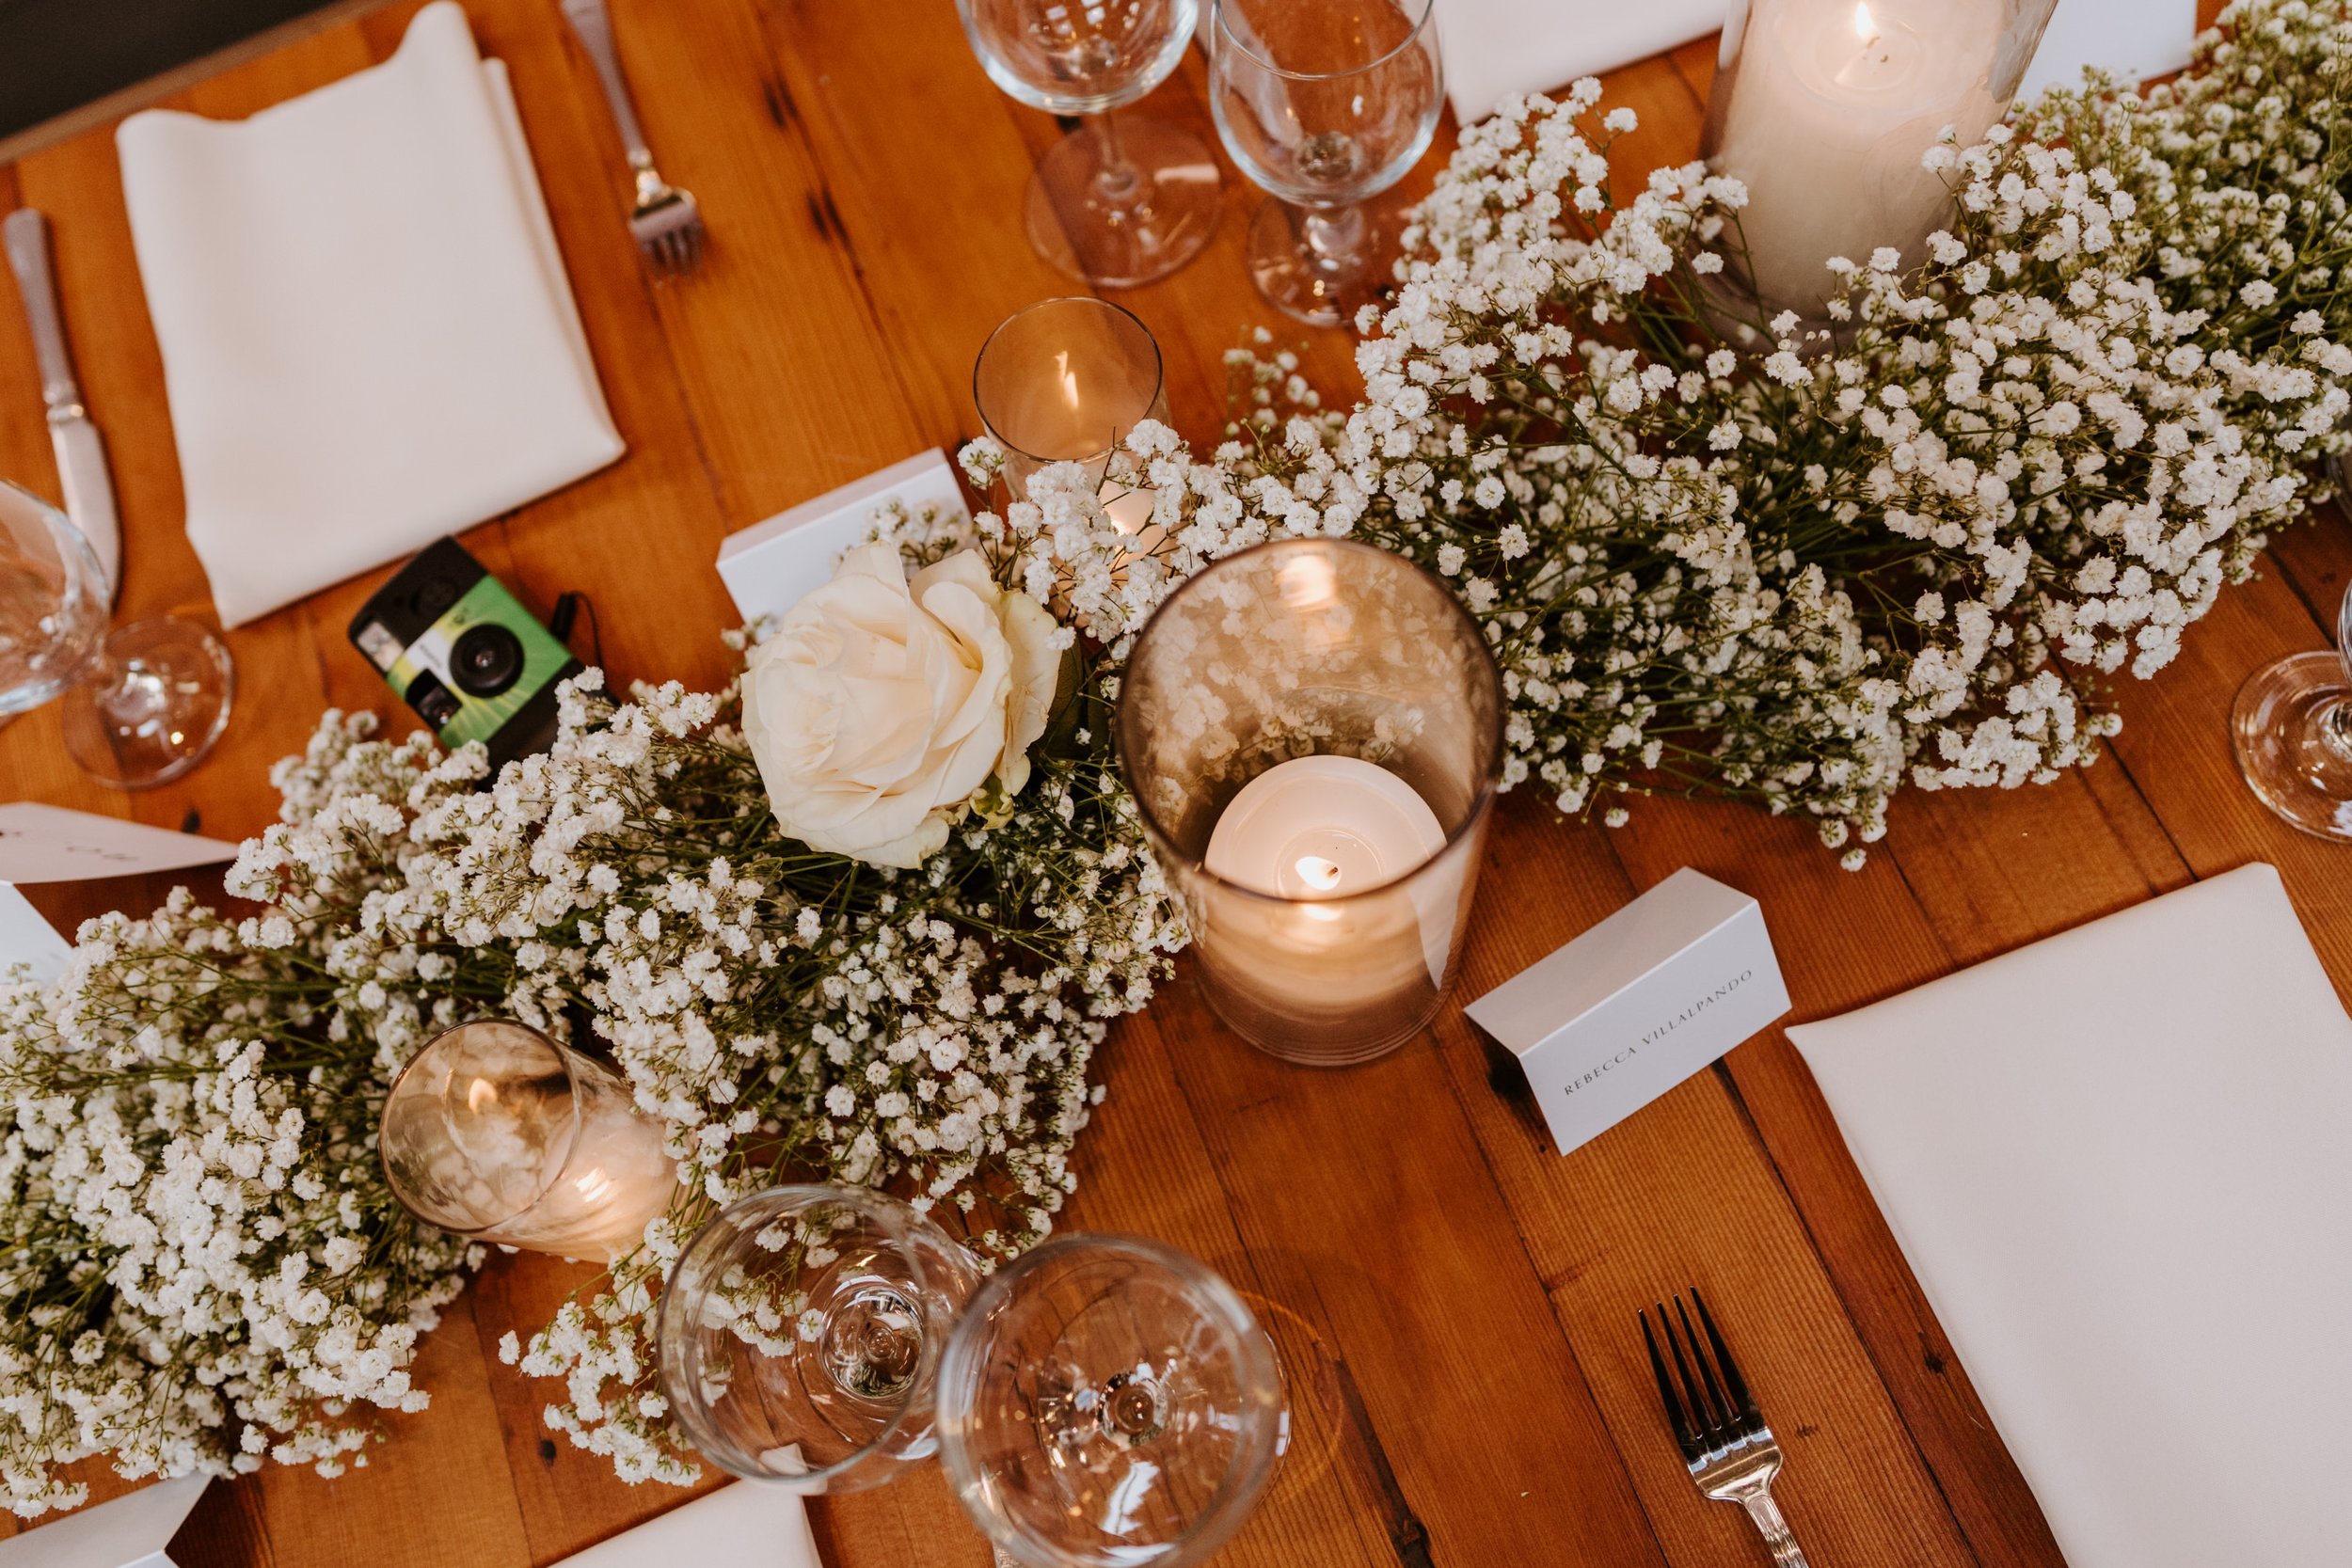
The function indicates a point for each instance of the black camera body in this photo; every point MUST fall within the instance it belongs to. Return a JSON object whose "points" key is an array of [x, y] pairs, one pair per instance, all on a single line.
{"points": [[456, 647]]}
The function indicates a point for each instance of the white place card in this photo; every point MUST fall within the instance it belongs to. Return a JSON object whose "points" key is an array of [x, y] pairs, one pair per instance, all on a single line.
{"points": [[131, 1531], [1638, 1002], [2134, 38], [769, 565], [50, 843], [27, 938], [746, 1522]]}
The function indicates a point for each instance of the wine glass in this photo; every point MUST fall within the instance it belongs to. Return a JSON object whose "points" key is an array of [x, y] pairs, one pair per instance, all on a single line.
{"points": [[1107, 1402], [143, 702], [2292, 729], [1065, 381], [800, 1332], [1120, 202], [1325, 103]]}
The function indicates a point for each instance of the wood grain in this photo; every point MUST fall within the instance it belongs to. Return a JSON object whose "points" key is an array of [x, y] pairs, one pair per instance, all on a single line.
{"points": [[1458, 1295]]}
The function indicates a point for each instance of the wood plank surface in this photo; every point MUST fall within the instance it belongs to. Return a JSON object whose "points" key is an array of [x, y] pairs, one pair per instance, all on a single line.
{"points": [[1462, 1295]]}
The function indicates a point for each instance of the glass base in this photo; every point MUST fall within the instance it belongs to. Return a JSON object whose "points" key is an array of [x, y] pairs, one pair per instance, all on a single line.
{"points": [[1120, 231], [2285, 728], [1321, 267], [154, 701]]}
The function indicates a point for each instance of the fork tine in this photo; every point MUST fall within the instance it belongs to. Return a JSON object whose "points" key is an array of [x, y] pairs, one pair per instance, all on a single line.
{"points": [[1702, 1409], [1734, 1383], [1716, 1399], [1686, 1431]]}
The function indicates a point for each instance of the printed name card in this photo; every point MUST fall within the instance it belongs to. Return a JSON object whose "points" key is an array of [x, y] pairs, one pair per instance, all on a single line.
{"points": [[745, 1522], [50, 843], [769, 565], [2134, 38], [131, 1531], [1642, 1001], [27, 938]]}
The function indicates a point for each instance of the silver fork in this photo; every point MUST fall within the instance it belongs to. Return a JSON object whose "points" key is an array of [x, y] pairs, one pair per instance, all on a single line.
{"points": [[666, 224], [1725, 1441]]}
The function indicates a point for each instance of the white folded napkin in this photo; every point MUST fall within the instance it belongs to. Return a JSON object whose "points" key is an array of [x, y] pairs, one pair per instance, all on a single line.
{"points": [[1493, 47], [747, 1521], [367, 335], [2117, 1163]]}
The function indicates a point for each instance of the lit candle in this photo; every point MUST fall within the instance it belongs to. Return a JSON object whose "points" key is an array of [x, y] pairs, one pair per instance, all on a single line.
{"points": [[1829, 109], [1320, 827]]}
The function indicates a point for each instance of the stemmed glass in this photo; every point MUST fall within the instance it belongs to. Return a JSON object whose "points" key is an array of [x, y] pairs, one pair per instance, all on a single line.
{"points": [[1325, 103], [1101, 1403], [1065, 381], [143, 702], [1123, 200], [2292, 729]]}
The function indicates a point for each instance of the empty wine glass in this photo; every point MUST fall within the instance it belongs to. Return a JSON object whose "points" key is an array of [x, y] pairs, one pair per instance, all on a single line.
{"points": [[1325, 103], [1123, 200], [2292, 729], [1108, 1403], [496, 1132], [144, 703], [801, 1330]]}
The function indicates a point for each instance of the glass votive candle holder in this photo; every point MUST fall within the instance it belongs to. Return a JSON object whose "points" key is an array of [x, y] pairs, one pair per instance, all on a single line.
{"points": [[1065, 381], [1824, 109], [494, 1131], [1312, 731]]}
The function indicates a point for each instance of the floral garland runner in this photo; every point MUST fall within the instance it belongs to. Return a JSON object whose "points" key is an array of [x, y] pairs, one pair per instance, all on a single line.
{"points": [[1711, 557]]}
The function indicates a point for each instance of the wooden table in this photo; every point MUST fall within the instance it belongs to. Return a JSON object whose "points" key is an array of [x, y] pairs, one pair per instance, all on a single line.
{"points": [[1474, 1291]]}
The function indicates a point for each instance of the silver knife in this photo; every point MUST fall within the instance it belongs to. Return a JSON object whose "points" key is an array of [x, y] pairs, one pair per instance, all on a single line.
{"points": [[89, 494]]}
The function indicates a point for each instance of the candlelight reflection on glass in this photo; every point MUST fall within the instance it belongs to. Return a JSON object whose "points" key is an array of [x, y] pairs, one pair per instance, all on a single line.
{"points": [[1824, 108], [494, 1131], [1312, 730], [1064, 381]]}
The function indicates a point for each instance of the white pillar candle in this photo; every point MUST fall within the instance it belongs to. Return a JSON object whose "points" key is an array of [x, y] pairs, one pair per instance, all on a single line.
{"points": [[1831, 106], [1322, 827]]}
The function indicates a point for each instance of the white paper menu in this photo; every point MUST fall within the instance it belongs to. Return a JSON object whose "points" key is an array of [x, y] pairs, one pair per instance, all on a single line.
{"points": [[50, 843]]}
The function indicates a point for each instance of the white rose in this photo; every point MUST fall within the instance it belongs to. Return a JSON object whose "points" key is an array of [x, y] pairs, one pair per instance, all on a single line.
{"points": [[880, 705]]}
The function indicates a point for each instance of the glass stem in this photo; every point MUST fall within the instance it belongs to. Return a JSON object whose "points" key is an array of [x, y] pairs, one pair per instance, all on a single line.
{"points": [[2335, 729], [1334, 236], [1116, 178]]}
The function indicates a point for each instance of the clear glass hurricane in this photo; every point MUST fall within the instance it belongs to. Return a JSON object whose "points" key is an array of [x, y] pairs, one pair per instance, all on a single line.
{"points": [[1325, 104], [801, 1330], [1108, 1403], [2292, 729], [1122, 200], [143, 702]]}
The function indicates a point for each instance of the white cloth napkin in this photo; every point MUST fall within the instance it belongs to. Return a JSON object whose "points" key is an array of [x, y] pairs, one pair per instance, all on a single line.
{"points": [[746, 1522], [367, 335], [2117, 1161]]}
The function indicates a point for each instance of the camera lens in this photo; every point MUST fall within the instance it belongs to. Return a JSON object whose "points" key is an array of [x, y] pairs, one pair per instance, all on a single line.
{"points": [[436, 704], [485, 659]]}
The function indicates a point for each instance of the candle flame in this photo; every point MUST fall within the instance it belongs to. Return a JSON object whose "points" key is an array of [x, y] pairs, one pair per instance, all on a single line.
{"points": [[1067, 377], [1865, 26], [1318, 872]]}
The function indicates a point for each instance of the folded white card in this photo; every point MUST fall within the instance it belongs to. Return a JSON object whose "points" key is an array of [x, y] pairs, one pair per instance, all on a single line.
{"points": [[27, 938], [769, 565], [368, 338], [2115, 1162], [52, 844], [1638, 1002], [2133, 38], [1493, 47], [743, 1523], [131, 1531]]}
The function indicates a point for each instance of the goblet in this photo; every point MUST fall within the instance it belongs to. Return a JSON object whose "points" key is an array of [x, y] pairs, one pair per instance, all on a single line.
{"points": [[2292, 729], [1108, 1401], [801, 1330], [143, 702], [1123, 201], [1325, 103], [1064, 381], [496, 1132]]}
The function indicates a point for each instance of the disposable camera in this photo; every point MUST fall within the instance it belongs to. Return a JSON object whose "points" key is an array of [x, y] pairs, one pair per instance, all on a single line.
{"points": [[454, 646]]}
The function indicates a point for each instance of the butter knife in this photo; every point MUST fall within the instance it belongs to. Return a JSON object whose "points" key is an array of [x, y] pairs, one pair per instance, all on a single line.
{"points": [[89, 494]]}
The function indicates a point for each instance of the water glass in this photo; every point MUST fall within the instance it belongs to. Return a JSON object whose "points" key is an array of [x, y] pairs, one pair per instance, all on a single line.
{"points": [[144, 703], [1107, 1402], [799, 1335], [2292, 729], [1325, 103], [494, 1131], [1065, 381], [1121, 202]]}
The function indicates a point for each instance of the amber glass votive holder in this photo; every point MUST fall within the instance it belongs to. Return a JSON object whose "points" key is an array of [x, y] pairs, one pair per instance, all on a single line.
{"points": [[1328, 649]]}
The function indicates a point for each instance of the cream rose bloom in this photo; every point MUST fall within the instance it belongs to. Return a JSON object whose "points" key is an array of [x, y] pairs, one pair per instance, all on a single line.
{"points": [[880, 705]]}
